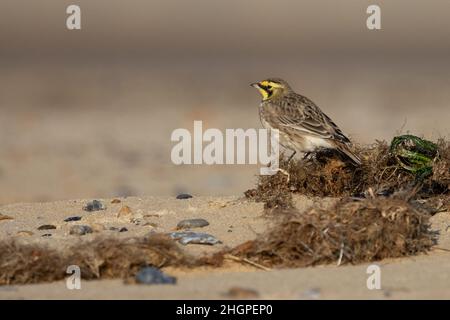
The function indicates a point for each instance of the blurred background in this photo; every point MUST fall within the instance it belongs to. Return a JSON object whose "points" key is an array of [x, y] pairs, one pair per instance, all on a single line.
{"points": [[89, 113]]}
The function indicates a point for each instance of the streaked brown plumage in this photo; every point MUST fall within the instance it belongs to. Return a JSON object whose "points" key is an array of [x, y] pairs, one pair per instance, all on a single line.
{"points": [[302, 125]]}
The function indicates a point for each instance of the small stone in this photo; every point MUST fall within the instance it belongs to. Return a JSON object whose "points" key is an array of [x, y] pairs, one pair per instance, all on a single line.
{"points": [[47, 227], [113, 228], [5, 217], [24, 233], [190, 237], [313, 293], [94, 205], [47, 235], [125, 211], [80, 230], [184, 196], [192, 223], [70, 219], [151, 224], [150, 275], [116, 201], [242, 293], [123, 229], [137, 218]]}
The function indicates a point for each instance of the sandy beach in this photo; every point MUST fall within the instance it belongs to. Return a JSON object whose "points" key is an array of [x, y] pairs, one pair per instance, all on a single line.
{"points": [[88, 114], [233, 220]]}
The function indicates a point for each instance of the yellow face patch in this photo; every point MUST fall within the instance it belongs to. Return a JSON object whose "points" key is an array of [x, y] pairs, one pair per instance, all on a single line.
{"points": [[268, 88], [263, 92]]}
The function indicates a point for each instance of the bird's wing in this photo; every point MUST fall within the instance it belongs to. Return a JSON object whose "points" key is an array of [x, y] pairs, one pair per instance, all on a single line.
{"points": [[310, 120]]}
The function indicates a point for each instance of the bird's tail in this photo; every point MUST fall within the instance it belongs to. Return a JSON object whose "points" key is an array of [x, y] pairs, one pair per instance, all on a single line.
{"points": [[345, 149]]}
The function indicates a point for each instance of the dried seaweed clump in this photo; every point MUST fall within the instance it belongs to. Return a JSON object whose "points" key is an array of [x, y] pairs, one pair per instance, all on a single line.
{"points": [[347, 232], [274, 192], [326, 175], [26, 263], [441, 166], [99, 258]]}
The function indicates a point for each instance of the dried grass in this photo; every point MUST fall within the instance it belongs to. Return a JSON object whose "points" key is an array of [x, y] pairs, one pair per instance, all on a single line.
{"points": [[326, 175], [349, 232], [99, 258]]}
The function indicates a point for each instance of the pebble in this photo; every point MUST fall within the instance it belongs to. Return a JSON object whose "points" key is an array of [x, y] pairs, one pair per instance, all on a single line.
{"points": [[94, 205], [151, 224], [151, 275], [80, 230], [123, 229], [47, 235], [116, 201], [137, 219], [189, 237], [242, 293], [5, 217], [70, 219], [313, 293], [192, 223], [124, 211], [184, 196], [46, 227], [24, 233]]}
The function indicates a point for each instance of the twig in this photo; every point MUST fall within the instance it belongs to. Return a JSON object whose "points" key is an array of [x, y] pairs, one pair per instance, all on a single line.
{"points": [[443, 249], [257, 265], [341, 254]]}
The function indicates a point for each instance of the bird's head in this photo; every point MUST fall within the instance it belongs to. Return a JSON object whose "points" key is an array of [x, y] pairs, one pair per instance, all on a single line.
{"points": [[272, 88]]}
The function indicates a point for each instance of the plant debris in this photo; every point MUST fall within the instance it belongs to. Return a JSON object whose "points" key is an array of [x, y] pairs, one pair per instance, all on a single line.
{"points": [[414, 154], [325, 175], [346, 232], [100, 258]]}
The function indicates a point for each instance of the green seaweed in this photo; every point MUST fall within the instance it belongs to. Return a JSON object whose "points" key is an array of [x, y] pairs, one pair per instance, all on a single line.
{"points": [[414, 154]]}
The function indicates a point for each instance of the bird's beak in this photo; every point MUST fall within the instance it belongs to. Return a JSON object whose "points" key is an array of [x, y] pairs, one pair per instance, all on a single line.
{"points": [[255, 85]]}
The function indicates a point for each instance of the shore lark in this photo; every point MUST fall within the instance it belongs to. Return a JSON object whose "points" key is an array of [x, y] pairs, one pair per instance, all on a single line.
{"points": [[303, 127]]}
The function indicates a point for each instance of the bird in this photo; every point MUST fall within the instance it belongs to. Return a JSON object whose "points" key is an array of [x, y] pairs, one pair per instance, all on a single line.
{"points": [[302, 125]]}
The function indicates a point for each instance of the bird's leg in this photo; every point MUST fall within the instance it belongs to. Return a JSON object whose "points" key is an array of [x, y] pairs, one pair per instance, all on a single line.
{"points": [[306, 155], [292, 155], [285, 173]]}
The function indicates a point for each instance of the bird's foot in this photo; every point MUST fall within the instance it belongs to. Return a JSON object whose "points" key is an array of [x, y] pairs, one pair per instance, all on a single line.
{"points": [[288, 176]]}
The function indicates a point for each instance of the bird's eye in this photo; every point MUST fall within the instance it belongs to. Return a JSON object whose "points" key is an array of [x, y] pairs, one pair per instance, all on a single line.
{"points": [[269, 86]]}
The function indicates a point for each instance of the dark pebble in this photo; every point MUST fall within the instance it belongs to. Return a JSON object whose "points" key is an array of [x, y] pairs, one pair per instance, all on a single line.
{"points": [[123, 229], [94, 205], [192, 223], [150, 275], [47, 235], [70, 219], [184, 196], [80, 230], [47, 227]]}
